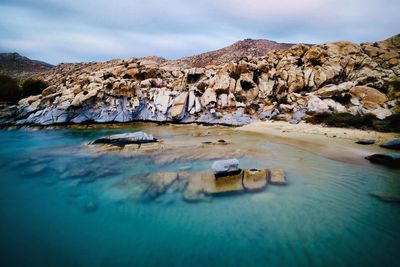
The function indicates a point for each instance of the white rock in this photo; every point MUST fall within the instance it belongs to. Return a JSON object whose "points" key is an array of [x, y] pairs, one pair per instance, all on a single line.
{"points": [[208, 97], [191, 101], [316, 104], [381, 113], [197, 107], [225, 166], [224, 100], [161, 100]]}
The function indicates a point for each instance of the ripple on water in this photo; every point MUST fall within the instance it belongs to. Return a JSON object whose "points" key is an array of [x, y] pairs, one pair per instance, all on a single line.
{"points": [[324, 217]]}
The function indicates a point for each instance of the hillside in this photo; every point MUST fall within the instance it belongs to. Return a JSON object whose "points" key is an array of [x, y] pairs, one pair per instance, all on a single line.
{"points": [[291, 85], [236, 51], [17, 66]]}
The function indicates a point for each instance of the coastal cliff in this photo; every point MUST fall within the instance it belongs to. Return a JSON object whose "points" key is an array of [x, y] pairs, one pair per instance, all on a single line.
{"points": [[337, 77]]}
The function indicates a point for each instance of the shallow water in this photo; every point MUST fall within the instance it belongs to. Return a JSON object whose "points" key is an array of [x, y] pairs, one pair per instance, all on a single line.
{"points": [[324, 217]]}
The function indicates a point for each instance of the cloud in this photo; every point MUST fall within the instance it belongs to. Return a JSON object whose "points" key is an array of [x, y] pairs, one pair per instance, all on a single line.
{"points": [[87, 30]]}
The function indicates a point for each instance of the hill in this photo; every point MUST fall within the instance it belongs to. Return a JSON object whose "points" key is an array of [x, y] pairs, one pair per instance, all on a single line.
{"points": [[236, 51], [17, 66]]}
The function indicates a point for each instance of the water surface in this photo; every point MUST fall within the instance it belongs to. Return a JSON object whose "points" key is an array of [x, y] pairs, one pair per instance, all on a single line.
{"points": [[324, 217]]}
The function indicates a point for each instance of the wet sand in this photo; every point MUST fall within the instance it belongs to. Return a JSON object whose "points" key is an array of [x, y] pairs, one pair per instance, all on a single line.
{"points": [[334, 143]]}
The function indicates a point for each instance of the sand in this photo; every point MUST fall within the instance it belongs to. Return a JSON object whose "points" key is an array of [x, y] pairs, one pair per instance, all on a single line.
{"points": [[334, 143]]}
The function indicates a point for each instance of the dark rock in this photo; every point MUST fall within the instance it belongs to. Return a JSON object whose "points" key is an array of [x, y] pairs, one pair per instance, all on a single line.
{"points": [[126, 138], [225, 166], [366, 142], [268, 115], [221, 141], [392, 160], [87, 180], [206, 143], [386, 197], [392, 144], [91, 207]]}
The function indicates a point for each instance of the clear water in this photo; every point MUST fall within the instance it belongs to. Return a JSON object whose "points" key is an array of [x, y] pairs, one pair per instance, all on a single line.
{"points": [[324, 217]]}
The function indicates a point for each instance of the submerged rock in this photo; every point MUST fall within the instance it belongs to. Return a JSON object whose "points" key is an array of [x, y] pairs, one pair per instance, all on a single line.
{"points": [[125, 139], [277, 177], [255, 179], [392, 144], [91, 207], [387, 197], [206, 183], [160, 182], [392, 160]]}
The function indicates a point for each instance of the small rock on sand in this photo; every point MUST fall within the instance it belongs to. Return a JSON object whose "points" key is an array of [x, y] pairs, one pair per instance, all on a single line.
{"points": [[392, 144], [365, 142]]}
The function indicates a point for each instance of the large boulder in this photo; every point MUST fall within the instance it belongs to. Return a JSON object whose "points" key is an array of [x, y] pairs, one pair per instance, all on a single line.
{"points": [[392, 144], [220, 167], [125, 139], [333, 89], [392, 159], [178, 109], [335, 106], [366, 93], [208, 97], [315, 55], [342, 48], [316, 104], [265, 84], [380, 113], [223, 83], [162, 100]]}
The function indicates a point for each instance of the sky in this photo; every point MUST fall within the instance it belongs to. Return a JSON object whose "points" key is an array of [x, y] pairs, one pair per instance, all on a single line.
{"points": [[58, 31]]}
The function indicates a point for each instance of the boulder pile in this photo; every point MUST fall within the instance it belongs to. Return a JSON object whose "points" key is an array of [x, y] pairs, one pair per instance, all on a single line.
{"points": [[334, 77]]}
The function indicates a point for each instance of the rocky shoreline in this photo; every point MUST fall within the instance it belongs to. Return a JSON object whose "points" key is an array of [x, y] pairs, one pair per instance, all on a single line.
{"points": [[288, 85]]}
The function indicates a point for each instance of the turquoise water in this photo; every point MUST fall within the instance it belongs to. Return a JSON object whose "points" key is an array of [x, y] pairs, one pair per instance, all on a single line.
{"points": [[324, 217]]}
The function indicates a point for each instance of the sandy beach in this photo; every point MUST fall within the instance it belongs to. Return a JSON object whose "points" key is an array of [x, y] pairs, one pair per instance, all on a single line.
{"points": [[334, 143]]}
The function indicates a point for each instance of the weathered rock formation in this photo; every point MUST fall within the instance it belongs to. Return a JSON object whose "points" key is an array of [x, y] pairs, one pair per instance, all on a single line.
{"points": [[283, 84], [121, 140]]}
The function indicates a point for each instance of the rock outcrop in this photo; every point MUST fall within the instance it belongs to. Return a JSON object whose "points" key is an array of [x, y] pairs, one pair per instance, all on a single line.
{"points": [[392, 159], [121, 140], [225, 166], [283, 84]]}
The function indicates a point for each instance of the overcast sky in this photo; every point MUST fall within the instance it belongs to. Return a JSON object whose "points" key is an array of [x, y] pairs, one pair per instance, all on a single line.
{"points": [[93, 30]]}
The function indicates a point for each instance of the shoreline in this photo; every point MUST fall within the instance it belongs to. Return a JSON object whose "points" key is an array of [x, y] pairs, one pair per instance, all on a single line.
{"points": [[333, 143], [330, 142]]}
